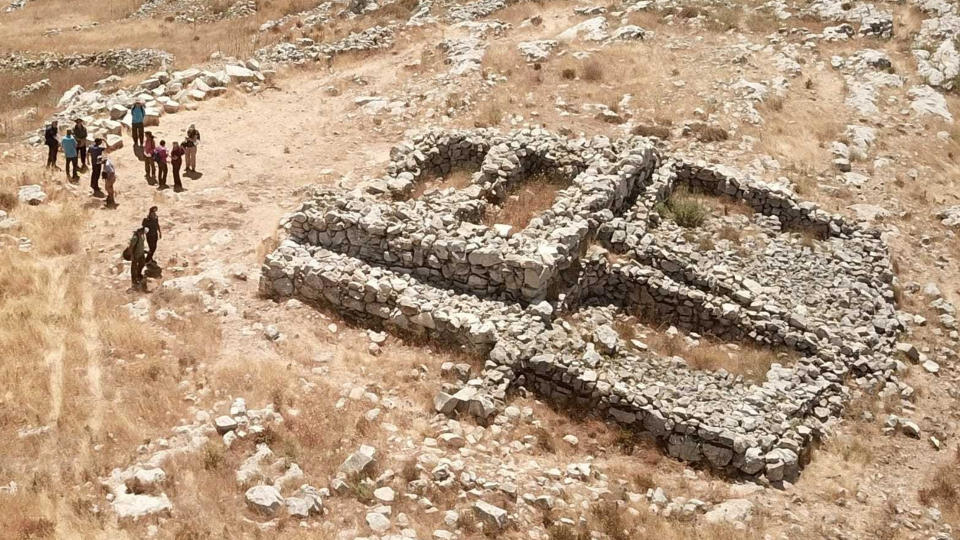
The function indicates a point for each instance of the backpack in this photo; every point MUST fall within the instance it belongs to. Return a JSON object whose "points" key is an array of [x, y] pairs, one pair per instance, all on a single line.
{"points": [[156, 155]]}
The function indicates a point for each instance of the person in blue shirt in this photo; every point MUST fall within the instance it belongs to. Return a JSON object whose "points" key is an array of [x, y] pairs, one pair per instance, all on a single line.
{"points": [[69, 145], [137, 114]]}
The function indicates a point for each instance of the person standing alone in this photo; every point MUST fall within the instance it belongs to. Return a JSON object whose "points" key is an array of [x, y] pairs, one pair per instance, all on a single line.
{"points": [[151, 224], [194, 137], [176, 160], [69, 145], [51, 137], [137, 114], [96, 151]]}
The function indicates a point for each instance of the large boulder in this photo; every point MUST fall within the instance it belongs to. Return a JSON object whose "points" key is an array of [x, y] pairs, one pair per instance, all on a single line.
{"points": [[950, 217], [359, 461], [117, 111], [730, 511], [240, 73], [493, 517], [31, 194], [135, 506], [264, 499], [114, 142], [69, 96]]}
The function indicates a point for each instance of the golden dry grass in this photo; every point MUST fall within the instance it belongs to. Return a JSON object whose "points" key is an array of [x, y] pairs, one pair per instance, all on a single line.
{"points": [[191, 44], [78, 370], [941, 489], [458, 179], [745, 359], [532, 197]]}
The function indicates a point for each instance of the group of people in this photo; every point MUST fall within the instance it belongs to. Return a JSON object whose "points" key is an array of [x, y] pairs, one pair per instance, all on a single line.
{"points": [[155, 156], [77, 151], [142, 247]]}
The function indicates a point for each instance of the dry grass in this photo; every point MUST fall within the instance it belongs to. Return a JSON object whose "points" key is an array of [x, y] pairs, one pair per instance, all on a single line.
{"points": [[943, 489], [592, 70], [651, 130], [458, 179], [747, 360], [491, 112], [19, 115], [533, 196], [614, 521], [708, 133], [191, 44], [797, 128]]}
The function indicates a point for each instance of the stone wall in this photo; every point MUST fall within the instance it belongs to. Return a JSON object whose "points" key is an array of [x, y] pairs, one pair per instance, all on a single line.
{"points": [[427, 267]]}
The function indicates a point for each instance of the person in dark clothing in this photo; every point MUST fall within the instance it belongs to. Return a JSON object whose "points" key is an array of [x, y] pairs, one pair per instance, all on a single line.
{"points": [[137, 115], [51, 138], [80, 134], [191, 151], [152, 225], [96, 166], [160, 155], [137, 259], [176, 159]]}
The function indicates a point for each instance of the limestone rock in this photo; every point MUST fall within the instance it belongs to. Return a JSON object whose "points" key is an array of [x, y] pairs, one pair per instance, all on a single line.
{"points": [[264, 499]]}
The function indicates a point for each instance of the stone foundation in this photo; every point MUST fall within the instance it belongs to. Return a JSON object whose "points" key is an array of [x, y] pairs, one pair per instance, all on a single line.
{"points": [[429, 267]]}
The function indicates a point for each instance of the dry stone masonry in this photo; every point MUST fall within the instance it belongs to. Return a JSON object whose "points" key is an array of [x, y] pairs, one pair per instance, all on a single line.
{"points": [[430, 267], [118, 60]]}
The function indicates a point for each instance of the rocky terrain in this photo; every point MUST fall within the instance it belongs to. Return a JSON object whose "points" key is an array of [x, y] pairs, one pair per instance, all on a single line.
{"points": [[542, 270]]}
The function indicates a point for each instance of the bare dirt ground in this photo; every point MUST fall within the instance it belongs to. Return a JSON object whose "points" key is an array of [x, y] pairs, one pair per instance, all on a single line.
{"points": [[99, 386]]}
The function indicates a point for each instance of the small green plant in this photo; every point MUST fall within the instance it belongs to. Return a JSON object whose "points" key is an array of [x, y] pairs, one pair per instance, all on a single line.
{"points": [[685, 210], [362, 490]]}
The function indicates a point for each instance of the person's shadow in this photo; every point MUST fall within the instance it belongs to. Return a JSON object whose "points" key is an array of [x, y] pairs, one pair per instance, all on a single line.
{"points": [[193, 175], [138, 151]]}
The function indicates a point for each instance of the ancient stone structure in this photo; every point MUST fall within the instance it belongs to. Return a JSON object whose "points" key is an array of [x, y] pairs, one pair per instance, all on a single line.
{"points": [[429, 266]]}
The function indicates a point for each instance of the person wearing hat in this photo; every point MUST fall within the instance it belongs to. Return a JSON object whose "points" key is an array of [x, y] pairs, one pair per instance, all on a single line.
{"points": [[137, 114], [80, 134], [51, 138]]}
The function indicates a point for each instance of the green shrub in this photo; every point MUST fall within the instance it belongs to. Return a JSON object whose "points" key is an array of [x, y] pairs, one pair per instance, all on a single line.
{"points": [[685, 210]]}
